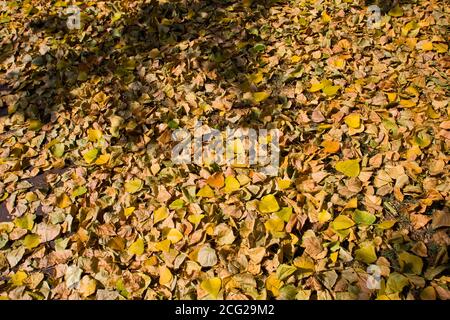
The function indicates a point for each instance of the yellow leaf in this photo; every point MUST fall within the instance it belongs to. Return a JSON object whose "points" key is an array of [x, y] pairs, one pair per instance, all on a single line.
{"points": [[243, 179], [428, 293], [63, 201], [274, 284], [396, 282], [334, 256], [387, 224], [35, 125], [325, 17], [285, 214], [128, 211], [342, 222], [323, 216], [440, 47], [423, 139], [430, 112], [195, 218], [160, 214], [31, 241], [274, 225], [174, 235], [134, 185], [305, 264], [58, 150], [316, 87], [25, 222], [283, 183], [363, 217], [257, 77], [94, 135], [260, 96], [412, 91], [352, 204], [103, 159], [137, 247], [392, 96], [426, 46], [231, 184], [212, 286], [408, 27], [295, 59], [206, 192], [216, 180], [339, 63], [407, 103], [410, 263], [413, 151], [353, 120], [163, 246], [268, 204], [18, 278], [78, 191], [397, 11], [4, 196], [348, 167], [330, 90], [90, 155], [165, 276], [330, 146], [366, 253], [100, 98]]}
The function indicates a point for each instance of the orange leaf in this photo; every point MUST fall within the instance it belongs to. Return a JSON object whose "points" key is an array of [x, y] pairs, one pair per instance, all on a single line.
{"points": [[216, 180]]}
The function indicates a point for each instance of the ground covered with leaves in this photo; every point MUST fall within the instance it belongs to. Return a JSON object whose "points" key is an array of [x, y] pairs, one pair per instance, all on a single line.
{"points": [[92, 207]]}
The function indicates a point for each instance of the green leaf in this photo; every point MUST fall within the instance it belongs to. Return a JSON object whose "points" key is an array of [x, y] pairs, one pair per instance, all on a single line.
{"points": [[177, 204], [259, 47], [363, 217], [25, 222], [410, 263], [396, 282], [91, 155], [285, 271], [79, 191], [58, 150]]}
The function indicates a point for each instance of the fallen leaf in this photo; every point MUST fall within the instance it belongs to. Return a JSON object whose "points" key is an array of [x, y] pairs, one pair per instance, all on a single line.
{"points": [[165, 276], [353, 120], [212, 286], [137, 247], [160, 214], [268, 204], [174, 235], [134, 185], [348, 167], [231, 184]]}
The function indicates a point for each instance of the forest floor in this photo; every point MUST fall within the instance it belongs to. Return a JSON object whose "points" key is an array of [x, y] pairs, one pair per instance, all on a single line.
{"points": [[93, 206]]}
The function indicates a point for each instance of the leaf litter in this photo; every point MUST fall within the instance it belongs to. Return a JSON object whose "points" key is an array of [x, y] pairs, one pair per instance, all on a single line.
{"points": [[92, 207]]}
